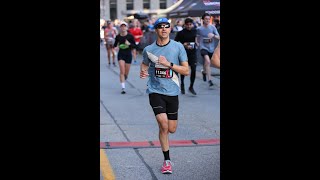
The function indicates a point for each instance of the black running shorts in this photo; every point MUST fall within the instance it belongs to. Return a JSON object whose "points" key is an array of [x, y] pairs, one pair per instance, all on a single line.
{"points": [[204, 52], [164, 104], [126, 56]]}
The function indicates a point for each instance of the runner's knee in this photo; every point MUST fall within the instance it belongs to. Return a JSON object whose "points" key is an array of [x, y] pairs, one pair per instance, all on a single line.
{"points": [[172, 129]]}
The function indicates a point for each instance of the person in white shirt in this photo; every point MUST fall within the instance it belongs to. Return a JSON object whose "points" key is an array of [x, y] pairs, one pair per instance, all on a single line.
{"points": [[178, 27]]}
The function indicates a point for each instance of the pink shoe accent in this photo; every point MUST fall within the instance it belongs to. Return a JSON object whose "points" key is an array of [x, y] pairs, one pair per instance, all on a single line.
{"points": [[166, 167]]}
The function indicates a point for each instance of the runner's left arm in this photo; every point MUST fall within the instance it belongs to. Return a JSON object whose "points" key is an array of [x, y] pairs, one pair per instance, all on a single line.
{"points": [[183, 67], [131, 41], [144, 65], [216, 34], [140, 34]]}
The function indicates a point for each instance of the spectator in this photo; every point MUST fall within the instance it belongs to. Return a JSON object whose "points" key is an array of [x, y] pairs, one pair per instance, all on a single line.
{"points": [[178, 27]]}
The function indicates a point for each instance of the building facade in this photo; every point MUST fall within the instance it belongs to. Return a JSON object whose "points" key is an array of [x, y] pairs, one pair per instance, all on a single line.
{"points": [[120, 9]]}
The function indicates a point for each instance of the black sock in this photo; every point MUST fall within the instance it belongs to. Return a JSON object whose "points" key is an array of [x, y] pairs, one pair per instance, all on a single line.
{"points": [[166, 155]]}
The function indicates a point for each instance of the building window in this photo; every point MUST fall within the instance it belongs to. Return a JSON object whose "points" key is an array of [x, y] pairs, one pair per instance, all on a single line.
{"points": [[113, 9], [163, 4], [146, 4], [129, 4]]}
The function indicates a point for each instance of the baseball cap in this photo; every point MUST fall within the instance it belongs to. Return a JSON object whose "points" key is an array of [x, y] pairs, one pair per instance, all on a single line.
{"points": [[123, 23], [161, 20]]}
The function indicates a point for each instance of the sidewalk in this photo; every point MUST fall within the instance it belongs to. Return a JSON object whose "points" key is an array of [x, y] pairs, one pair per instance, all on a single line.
{"points": [[128, 118]]}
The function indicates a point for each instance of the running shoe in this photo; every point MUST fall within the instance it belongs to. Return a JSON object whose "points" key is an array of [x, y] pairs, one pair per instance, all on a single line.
{"points": [[123, 92], [210, 83], [182, 90], [114, 64], [166, 167], [191, 90], [204, 75]]}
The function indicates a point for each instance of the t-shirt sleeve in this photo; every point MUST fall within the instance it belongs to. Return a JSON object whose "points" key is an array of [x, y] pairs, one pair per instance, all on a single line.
{"points": [[215, 31], [182, 53], [145, 60], [131, 40]]}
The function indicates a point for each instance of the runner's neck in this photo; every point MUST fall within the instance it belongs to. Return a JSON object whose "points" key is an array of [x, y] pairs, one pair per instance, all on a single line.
{"points": [[162, 42], [123, 33]]}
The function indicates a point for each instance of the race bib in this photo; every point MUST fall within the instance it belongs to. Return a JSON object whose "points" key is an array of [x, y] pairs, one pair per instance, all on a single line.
{"points": [[207, 40], [163, 73], [110, 40]]}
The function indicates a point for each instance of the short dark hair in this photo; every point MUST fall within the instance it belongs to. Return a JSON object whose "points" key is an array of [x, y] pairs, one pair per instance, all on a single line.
{"points": [[204, 15], [188, 20]]}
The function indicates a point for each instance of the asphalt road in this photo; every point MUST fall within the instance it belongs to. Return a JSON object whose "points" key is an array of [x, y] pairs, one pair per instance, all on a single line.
{"points": [[129, 118]]}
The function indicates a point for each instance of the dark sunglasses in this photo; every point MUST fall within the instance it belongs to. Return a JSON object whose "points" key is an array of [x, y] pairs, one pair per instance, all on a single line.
{"points": [[160, 26]]}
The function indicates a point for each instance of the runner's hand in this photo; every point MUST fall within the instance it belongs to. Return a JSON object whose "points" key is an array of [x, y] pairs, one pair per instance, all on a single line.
{"points": [[210, 35], [163, 60], [186, 45], [144, 74]]}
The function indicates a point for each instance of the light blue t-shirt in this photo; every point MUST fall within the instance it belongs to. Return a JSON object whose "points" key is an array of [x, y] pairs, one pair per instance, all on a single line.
{"points": [[175, 53], [202, 32]]}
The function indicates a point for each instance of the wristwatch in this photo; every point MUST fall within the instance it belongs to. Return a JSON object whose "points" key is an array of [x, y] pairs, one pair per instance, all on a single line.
{"points": [[171, 65]]}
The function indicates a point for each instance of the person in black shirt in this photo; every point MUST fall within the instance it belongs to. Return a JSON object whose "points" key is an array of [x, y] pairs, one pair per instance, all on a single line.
{"points": [[187, 37], [126, 42], [217, 24]]}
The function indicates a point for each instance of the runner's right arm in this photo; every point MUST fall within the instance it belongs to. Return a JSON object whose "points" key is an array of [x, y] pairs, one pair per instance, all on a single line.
{"points": [[144, 65], [144, 71]]}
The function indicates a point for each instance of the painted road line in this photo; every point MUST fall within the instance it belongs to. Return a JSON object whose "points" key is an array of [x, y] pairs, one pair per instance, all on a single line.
{"points": [[126, 144], [181, 143], [151, 144], [102, 144], [105, 167], [207, 141]]}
